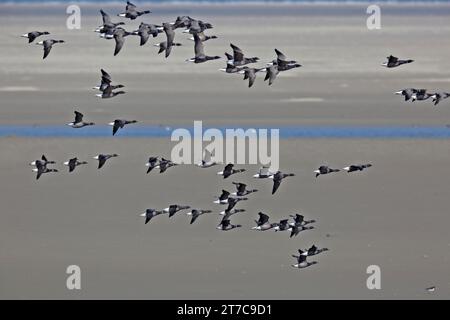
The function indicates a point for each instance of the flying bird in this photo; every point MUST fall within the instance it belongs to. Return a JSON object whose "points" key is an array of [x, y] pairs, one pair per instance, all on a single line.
{"points": [[48, 44], [131, 12], [120, 124], [73, 163], [301, 260], [200, 55], [33, 35], [277, 178], [149, 214], [228, 171], [395, 62], [78, 122], [174, 208], [103, 157], [195, 213], [325, 170], [357, 167]]}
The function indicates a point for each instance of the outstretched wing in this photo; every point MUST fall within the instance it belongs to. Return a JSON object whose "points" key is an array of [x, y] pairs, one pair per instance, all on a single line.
{"points": [[78, 116], [238, 55]]}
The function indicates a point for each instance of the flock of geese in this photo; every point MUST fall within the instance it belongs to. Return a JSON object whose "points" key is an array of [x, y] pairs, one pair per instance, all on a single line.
{"points": [[236, 63]]}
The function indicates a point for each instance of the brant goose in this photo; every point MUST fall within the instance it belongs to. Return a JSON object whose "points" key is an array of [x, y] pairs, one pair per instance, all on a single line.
{"points": [[233, 201], [195, 213], [437, 97], [225, 225], [103, 157], [150, 213], [168, 44], [174, 208], [241, 189], [200, 56], [357, 167], [262, 224], [263, 173], [119, 124], [119, 36], [47, 44], [41, 168], [324, 170], [73, 163], [228, 171], [313, 250], [78, 122], [43, 161], [300, 220], [131, 12], [282, 63], [223, 198], [109, 93], [301, 260], [33, 35], [238, 57], [152, 163], [407, 93], [395, 62], [277, 178]]}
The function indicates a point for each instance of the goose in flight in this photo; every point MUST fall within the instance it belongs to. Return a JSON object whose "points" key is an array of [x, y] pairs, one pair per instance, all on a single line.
{"points": [[357, 167], [34, 34], [78, 122], [277, 178], [43, 161], [41, 168], [109, 93], [228, 171], [200, 55], [238, 57], [48, 44], [302, 261], [395, 62], [169, 43], [241, 189], [73, 163], [325, 170], [103, 157], [119, 124], [131, 12], [195, 213], [174, 208], [263, 224], [149, 214]]}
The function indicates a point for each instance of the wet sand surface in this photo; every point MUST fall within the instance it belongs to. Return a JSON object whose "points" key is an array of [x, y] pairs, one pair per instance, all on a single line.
{"points": [[394, 215]]}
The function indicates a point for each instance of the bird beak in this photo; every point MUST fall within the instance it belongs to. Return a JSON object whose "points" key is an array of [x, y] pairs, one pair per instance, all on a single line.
{"points": [[398, 92], [66, 163], [111, 124]]}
